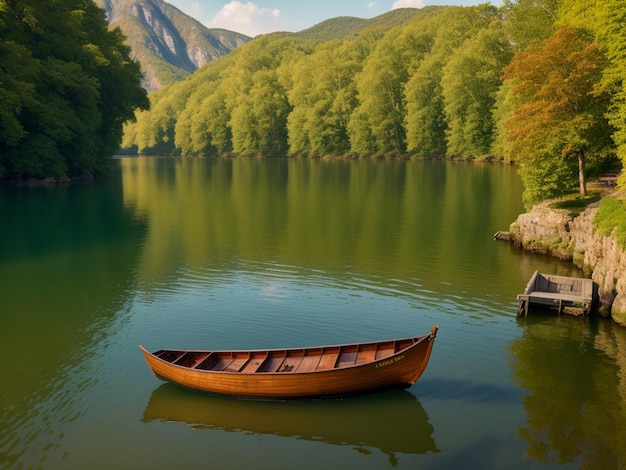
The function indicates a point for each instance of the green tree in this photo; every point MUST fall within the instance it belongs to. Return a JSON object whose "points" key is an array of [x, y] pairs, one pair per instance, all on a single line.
{"points": [[259, 117], [68, 85], [578, 15], [612, 36], [529, 22], [561, 118], [504, 108], [377, 124], [323, 96], [205, 129], [470, 81], [203, 123], [425, 121], [258, 100], [154, 130], [605, 21]]}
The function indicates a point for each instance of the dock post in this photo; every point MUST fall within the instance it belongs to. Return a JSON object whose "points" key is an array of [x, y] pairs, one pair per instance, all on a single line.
{"points": [[522, 308]]}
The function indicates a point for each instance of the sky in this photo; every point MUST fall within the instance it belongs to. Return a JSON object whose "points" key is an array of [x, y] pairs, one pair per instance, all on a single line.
{"points": [[265, 16]]}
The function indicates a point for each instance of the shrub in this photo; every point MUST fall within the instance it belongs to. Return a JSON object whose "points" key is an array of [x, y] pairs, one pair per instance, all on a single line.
{"points": [[611, 219]]}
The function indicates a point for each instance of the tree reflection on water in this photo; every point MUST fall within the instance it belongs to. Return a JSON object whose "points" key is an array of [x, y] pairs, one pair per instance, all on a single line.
{"points": [[575, 373]]}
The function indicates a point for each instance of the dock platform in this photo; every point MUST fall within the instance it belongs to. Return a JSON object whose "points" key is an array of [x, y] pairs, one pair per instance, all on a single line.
{"points": [[575, 294]]}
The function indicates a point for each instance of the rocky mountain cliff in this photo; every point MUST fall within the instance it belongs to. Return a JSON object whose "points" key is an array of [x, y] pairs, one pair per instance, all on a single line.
{"points": [[169, 44]]}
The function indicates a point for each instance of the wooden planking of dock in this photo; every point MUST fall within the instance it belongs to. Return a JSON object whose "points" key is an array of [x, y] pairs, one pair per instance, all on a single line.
{"points": [[572, 294]]}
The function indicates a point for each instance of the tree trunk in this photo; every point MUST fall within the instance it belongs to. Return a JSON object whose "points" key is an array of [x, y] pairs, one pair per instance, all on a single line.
{"points": [[581, 173]]}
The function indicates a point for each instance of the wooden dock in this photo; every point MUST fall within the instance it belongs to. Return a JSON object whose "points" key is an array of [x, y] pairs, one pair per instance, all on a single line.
{"points": [[570, 294]]}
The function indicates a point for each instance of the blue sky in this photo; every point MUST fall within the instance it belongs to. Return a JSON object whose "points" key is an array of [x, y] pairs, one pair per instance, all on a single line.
{"points": [[265, 16]]}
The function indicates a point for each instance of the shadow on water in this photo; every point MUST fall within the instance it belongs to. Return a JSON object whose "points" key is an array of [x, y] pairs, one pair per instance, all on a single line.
{"points": [[393, 422]]}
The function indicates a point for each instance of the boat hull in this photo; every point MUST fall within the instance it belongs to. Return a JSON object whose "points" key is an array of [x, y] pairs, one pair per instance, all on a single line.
{"points": [[400, 368]]}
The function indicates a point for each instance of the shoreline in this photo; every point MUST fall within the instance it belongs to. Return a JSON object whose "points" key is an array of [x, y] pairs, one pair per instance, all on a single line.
{"points": [[573, 237]]}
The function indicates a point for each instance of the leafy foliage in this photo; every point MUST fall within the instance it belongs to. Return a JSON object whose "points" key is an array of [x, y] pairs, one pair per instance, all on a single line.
{"points": [[323, 97], [611, 219], [355, 95], [538, 82], [530, 22], [470, 83], [68, 85], [376, 126], [611, 17], [561, 117], [345, 26]]}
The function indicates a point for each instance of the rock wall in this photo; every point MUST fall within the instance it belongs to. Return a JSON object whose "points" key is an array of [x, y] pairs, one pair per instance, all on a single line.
{"points": [[555, 232]]}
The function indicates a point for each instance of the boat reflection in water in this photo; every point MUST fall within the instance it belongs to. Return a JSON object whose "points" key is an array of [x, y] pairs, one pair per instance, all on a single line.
{"points": [[393, 421]]}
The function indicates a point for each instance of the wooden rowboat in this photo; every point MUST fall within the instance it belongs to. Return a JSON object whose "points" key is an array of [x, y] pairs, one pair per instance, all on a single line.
{"points": [[346, 369]]}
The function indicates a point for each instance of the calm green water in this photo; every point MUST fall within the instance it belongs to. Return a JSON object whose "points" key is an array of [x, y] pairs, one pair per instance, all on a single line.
{"points": [[248, 253]]}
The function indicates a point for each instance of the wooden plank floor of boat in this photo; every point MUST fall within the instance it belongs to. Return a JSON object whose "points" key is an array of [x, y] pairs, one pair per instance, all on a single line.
{"points": [[328, 359]]}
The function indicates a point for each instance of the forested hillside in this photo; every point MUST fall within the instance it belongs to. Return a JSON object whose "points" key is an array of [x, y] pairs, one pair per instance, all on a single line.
{"points": [[169, 44], [348, 26], [443, 82], [67, 84]]}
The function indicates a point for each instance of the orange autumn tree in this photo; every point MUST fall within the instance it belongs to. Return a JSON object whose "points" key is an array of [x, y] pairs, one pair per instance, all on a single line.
{"points": [[560, 119]]}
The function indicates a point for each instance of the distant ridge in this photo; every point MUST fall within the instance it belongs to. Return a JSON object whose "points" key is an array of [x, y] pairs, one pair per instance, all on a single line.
{"points": [[169, 44], [346, 26]]}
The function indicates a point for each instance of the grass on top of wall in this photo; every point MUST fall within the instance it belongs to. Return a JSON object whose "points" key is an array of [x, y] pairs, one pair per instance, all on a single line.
{"points": [[611, 219]]}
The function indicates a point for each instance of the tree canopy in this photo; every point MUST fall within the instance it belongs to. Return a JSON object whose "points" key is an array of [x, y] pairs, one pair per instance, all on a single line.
{"points": [[287, 94], [561, 115], [67, 85], [443, 82]]}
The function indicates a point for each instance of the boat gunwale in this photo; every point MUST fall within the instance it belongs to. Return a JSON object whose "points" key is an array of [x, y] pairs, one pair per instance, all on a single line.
{"points": [[417, 340]]}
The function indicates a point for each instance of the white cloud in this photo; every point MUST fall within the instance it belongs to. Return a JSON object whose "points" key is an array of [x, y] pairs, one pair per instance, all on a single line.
{"points": [[407, 4], [372, 4], [247, 18]]}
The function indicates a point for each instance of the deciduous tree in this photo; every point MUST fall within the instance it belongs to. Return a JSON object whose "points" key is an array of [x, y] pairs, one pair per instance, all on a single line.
{"points": [[425, 121], [529, 22], [612, 35], [376, 126], [562, 113], [67, 84], [323, 96], [469, 85]]}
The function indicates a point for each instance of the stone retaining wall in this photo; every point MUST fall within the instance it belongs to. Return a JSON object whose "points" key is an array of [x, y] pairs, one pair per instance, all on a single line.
{"points": [[555, 232]]}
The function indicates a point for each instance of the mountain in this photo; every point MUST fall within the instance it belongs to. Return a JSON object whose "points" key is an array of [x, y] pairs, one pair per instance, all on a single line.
{"points": [[169, 44], [347, 26]]}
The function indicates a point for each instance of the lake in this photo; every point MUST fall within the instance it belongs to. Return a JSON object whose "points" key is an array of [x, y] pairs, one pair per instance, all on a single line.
{"points": [[251, 253]]}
